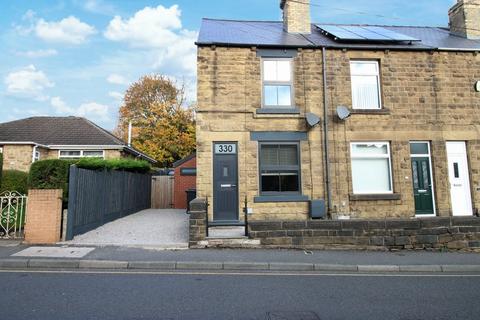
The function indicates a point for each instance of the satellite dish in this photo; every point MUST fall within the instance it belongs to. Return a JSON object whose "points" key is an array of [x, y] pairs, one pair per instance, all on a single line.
{"points": [[312, 119], [343, 112]]}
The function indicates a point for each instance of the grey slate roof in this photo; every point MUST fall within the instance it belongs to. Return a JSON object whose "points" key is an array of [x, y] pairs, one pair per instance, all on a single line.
{"points": [[271, 34], [57, 131]]}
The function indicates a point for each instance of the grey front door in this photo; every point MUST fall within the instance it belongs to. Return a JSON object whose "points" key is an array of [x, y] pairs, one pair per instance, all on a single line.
{"points": [[225, 182]]}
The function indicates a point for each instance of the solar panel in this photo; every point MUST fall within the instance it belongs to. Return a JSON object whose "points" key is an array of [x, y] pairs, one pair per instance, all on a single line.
{"points": [[364, 33]]}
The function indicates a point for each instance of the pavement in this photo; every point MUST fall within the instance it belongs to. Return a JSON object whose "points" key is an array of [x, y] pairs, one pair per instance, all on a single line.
{"points": [[159, 228], [128, 258]]}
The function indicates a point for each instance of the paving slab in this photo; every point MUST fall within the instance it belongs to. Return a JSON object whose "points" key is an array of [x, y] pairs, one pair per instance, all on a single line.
{"points": [[54, 252]]}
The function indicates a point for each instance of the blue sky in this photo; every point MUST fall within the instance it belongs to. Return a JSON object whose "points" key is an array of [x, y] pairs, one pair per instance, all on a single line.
{"points": [[77, 57]]}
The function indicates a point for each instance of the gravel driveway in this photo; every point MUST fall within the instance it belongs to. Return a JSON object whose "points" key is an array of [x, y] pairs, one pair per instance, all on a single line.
{"points": [[155, 228]]}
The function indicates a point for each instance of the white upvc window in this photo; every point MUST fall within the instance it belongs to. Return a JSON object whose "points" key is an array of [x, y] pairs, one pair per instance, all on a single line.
{"points": [[75, 154], [277, 85], [371, 167], [37, 156], [365, 78]]}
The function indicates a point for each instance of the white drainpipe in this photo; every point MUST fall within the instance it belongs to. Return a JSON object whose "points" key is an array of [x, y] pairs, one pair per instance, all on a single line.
{"points": [[34, 152]]}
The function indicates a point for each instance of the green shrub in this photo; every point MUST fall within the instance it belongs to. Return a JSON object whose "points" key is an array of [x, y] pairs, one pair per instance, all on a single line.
{"points": [[1, 167], [14, 180], [139, 166], [50, 174]]}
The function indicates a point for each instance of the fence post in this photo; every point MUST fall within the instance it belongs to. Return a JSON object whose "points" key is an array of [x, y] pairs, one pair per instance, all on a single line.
{"points": [[72, 199]]}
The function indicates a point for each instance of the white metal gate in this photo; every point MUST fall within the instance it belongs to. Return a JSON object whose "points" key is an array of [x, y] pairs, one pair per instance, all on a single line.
{"points": [[13, 206]]}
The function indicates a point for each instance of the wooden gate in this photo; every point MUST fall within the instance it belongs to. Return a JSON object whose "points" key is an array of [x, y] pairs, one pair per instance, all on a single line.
{"points": [[162, 192]]}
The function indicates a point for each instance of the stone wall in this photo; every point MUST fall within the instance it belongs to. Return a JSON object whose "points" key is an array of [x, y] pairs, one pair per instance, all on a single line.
{"points": [[429, 233], [44, 216], [197, 224], [426, 96], [296, 16], [17, 157]]}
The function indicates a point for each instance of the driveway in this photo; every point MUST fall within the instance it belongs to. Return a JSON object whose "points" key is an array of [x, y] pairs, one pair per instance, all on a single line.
{"points": [[152, 228]]}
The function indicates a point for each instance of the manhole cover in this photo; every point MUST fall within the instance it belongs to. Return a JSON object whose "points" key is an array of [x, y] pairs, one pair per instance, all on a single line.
{"points": [[292, 315]]}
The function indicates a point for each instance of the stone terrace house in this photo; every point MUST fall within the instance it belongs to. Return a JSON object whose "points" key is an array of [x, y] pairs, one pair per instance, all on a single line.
{"points": [[352, 121], [25, 141]]}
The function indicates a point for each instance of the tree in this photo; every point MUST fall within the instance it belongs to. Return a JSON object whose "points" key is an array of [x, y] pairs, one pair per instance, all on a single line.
{"points": [[163, 126]]}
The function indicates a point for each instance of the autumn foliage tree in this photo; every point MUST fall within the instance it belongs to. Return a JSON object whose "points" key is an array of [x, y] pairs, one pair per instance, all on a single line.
{"points": [[163, 125]]}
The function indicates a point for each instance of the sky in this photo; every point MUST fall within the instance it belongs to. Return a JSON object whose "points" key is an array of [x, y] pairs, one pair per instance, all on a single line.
{"points": [[77, 57]]}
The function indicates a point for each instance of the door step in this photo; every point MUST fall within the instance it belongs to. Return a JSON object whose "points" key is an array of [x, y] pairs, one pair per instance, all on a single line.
{"points": [[228, 237], [227, 232]]}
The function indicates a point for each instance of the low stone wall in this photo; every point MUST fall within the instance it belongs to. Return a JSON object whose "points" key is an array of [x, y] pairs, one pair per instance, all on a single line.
{"points": [[43, 217], [197, 223], [427, 233]]}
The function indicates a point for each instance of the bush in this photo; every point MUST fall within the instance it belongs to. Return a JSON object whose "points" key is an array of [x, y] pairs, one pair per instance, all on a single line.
{"points": [[14, 180], [131, 165], [1, 167], [50, 174]]}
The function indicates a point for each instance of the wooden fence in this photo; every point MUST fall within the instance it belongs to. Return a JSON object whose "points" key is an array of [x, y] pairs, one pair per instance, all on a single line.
{"points": [[162, 192], [98, 197]]}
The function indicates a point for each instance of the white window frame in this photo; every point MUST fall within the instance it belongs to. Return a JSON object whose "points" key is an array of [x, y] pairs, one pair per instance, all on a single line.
{"points": [[278, 83], [429, 156], [37, 156], [80, 156], [373, 156], [379, 85]]}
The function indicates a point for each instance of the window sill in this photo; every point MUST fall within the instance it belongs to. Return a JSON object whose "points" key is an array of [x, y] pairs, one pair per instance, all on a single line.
{"points": [[278, 111], [370, 111], [285, 198], [373, 197]]}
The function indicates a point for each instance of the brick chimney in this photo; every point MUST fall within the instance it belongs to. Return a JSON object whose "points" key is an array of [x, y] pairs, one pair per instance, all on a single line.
{"points": [[465, 19], [296, 16]]}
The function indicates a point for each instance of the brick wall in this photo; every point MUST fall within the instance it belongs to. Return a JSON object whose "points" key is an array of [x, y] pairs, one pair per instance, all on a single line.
{"points": [[182, 183], [43, 217], [429, 97]]}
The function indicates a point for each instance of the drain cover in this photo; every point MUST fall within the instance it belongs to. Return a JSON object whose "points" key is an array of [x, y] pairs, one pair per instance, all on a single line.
{"points": [[292, 315]]}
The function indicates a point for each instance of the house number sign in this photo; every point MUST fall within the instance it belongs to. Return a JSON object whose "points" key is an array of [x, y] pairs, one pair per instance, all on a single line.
{"points": [[226, 148]]}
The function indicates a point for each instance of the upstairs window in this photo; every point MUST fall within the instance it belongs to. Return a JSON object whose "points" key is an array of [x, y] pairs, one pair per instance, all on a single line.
{"points": [[279, 168], [365, 78], [277, 83]]}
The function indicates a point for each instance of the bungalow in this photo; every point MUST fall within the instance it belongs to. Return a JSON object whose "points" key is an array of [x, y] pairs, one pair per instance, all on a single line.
{"points": [[25, 141]]}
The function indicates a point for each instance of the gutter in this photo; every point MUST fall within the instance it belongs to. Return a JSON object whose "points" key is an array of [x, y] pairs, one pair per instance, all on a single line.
{"points": [[26, 143], [139, 154], [325, 133]]}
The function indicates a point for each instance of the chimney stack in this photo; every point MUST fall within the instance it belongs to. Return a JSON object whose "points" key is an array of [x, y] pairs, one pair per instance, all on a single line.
{"points": [[465, 19], [296, 16]]}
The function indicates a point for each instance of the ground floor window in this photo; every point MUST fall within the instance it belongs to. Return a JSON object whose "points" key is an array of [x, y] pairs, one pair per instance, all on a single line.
{"points": [[279, 168], [76, 154], [371, 167]]}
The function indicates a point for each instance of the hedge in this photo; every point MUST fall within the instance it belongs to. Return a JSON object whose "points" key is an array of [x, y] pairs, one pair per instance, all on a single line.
{"points": [[139, 166], [50, 174], [1, 167], [14, 180]]}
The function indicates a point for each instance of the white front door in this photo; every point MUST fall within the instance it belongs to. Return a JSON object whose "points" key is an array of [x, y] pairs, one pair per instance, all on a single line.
{"points": [[458, 175]]}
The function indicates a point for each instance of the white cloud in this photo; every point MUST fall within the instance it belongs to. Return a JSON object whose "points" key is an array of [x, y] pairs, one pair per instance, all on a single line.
{"points": [[116, 95], [117, 79], [28, 82], [38, 53], [91, 110], [159, 30], [68, 30], [60, 106]]}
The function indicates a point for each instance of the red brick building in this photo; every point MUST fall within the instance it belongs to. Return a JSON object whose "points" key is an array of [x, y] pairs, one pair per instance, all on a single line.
{"points": [[185, 178]]}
